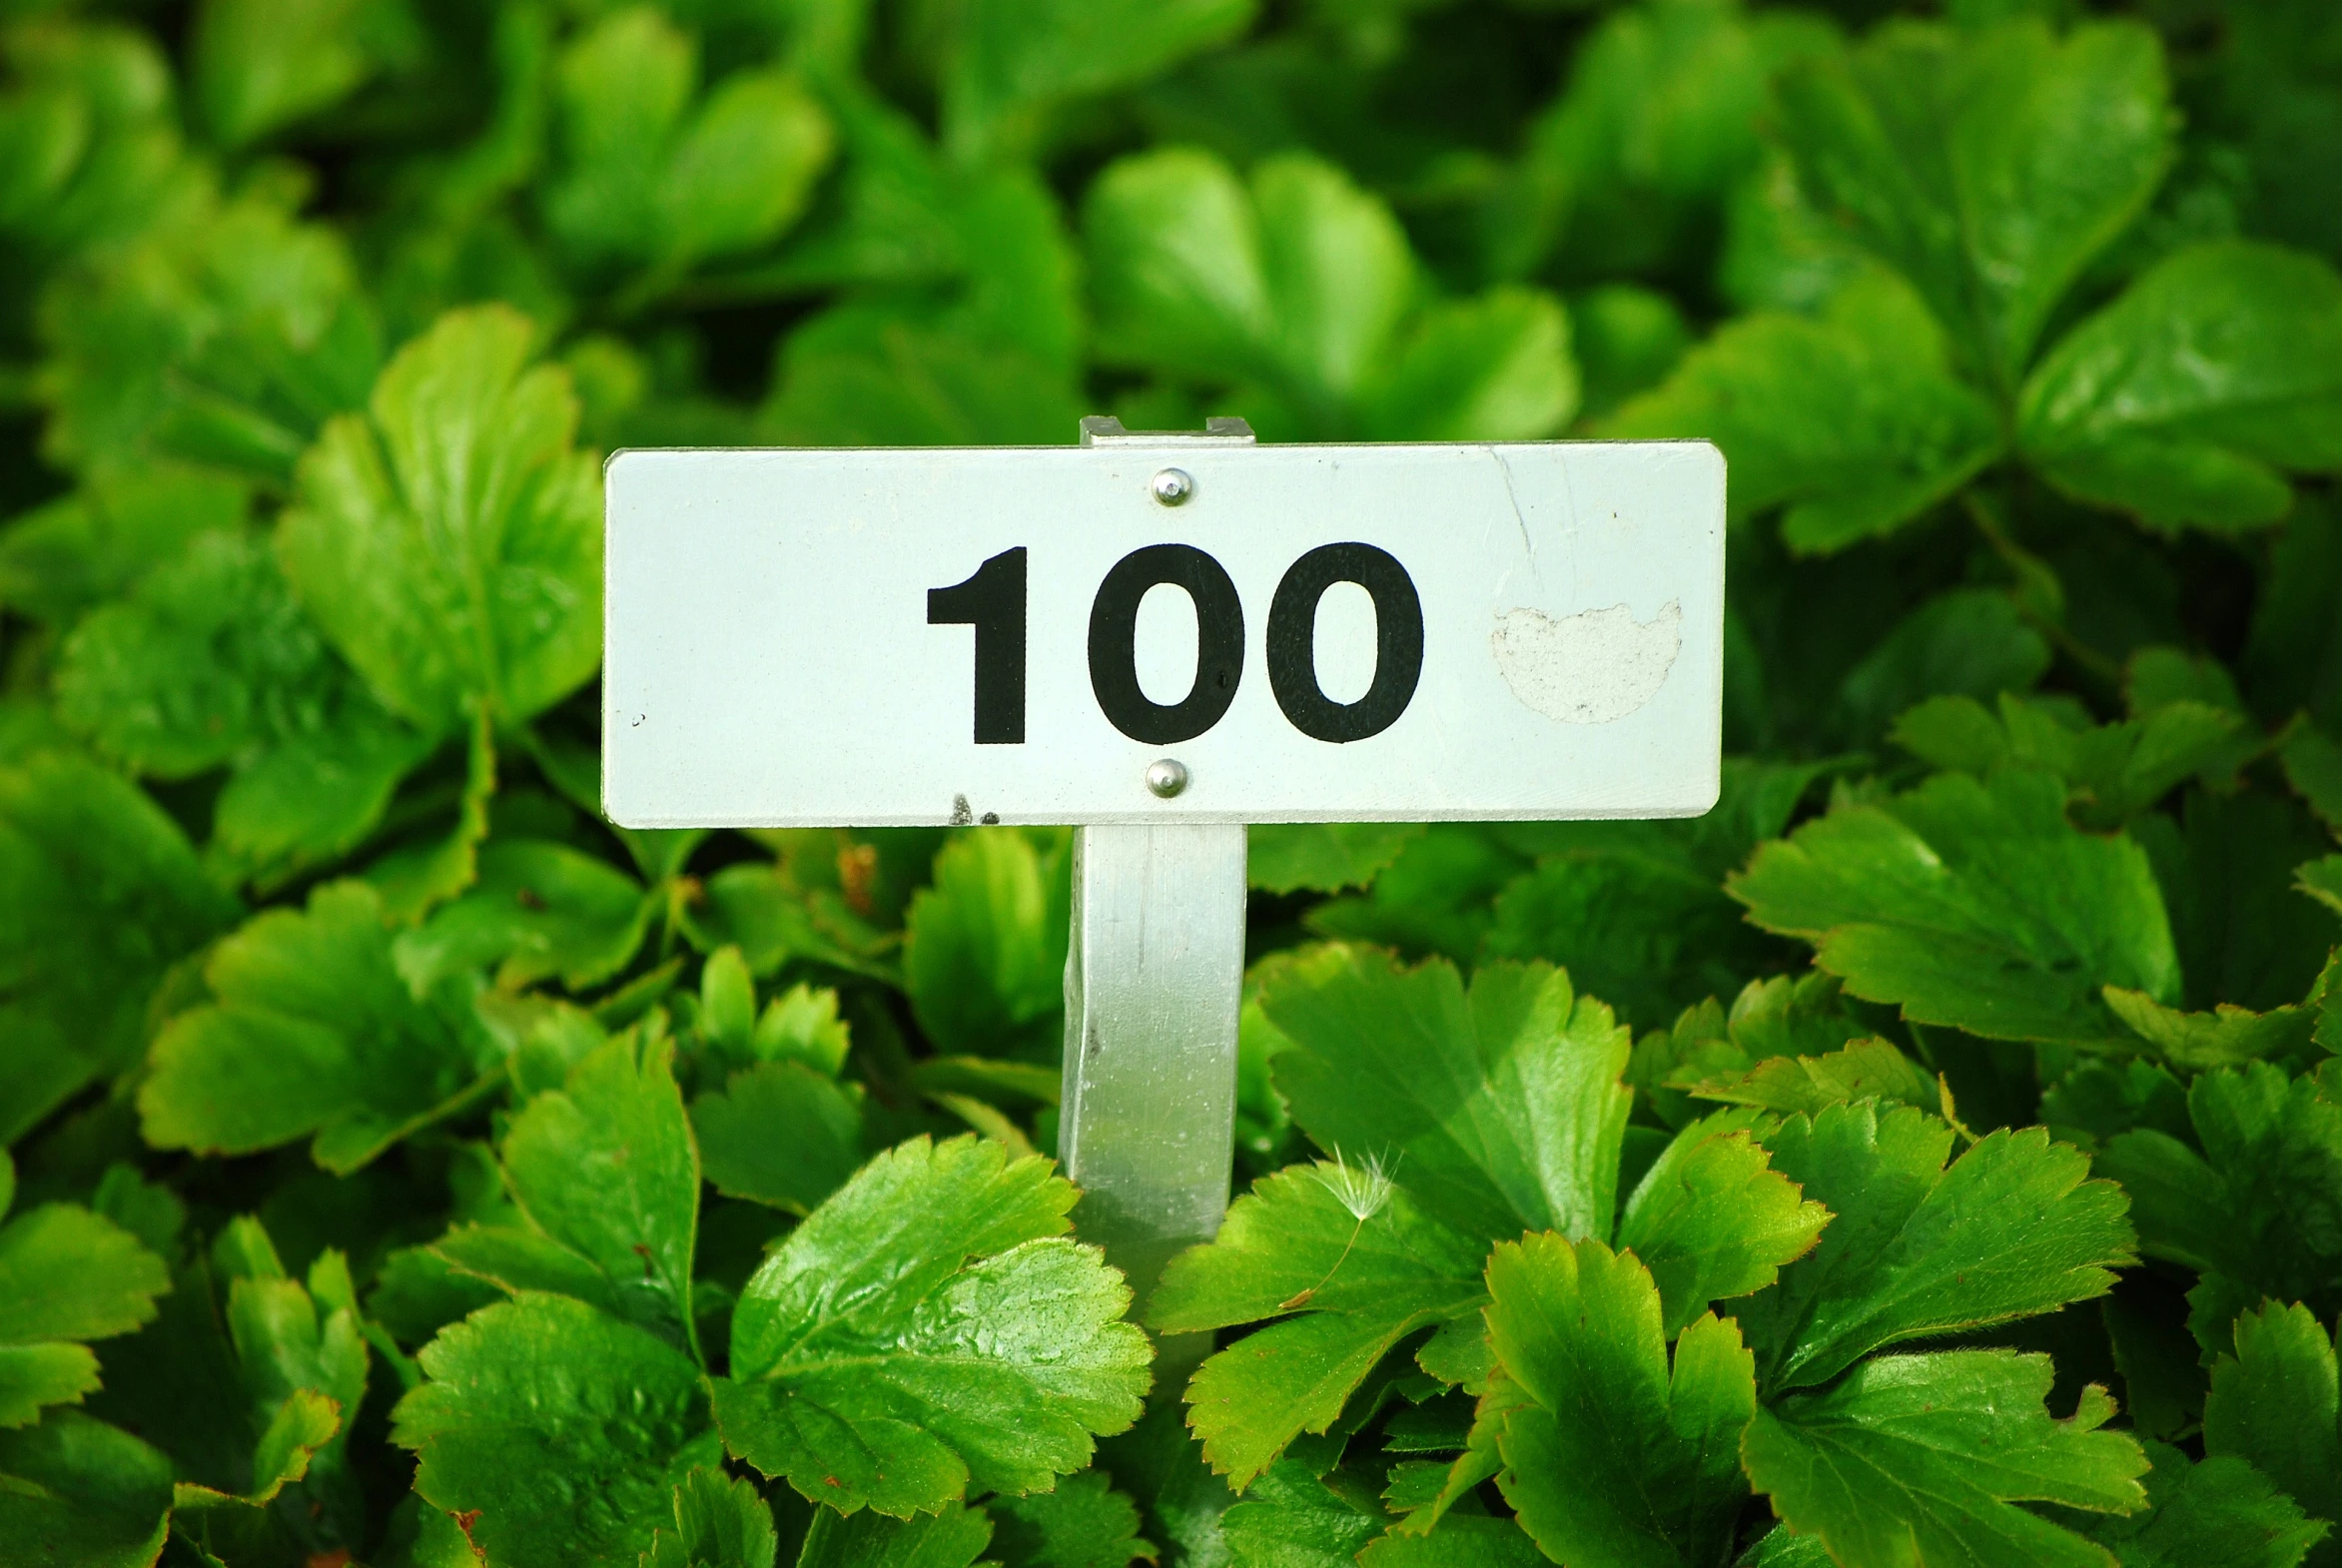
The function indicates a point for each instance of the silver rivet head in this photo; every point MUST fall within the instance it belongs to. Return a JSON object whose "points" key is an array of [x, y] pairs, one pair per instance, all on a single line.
{"points": [[1171, 487], [1168, 777]]}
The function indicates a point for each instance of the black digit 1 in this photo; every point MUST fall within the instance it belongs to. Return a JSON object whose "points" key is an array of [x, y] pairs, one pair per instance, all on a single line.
{"points": [[1114, 633], [993, 602], [1293, 642]]}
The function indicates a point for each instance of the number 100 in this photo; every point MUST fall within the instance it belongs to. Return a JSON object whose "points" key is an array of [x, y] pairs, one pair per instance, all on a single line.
{"points": [[993, 602]]}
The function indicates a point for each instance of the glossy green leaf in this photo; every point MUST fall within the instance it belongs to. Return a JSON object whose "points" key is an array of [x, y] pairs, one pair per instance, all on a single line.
{"points": [[1989, 169], [70, 554], [1359, 1262], [1294, 1520], [1612, 1456], [930, 1328], [951, 1537], [311, 1031], [1322, 857], [719, 1523], [1922, 1458], [82, 1493], [2220, 1511], [448, 542], [780, 1134], [1083, 1523], [1863, 1069], [2275, 1404], [563, 1432], [2191, 397], [1973, 904], [539, 910], [1712, 1218], [2011, 1228], [984, 950], [1853, 420], [1500, 1106]]}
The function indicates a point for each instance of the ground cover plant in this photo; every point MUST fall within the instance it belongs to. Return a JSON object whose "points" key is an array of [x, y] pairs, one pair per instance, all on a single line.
{"points": [[1931, 1157]]}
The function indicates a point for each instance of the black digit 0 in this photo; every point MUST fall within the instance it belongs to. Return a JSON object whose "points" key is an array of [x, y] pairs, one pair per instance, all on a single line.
{"points": [[1113, 631], [1293, 642], [993, 602]]}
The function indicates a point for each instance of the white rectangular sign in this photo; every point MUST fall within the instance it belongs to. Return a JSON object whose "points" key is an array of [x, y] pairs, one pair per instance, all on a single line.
{"points": [[1309, 633]]}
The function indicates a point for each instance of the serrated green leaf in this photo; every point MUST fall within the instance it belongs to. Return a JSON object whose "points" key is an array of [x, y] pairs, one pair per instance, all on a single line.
{"points": [[951, 1537], [1494, 367], [2259, 1204], [1500, 1107], [1853, 420], [1973, 904], [2275, 1404], [227, 338], [1359, 1261], [1989, 169], [565, 1429], [2226, 1036], [100, 894], [35, 1376], [65, 1274], [873, 376], [75, 552], [1083, 1523], [927, 1329], [2011, 1229], [1863, 1070], [1296, 1520], [607, 1166], [2114, 770], [1921, 1458], [1712, 1218], [779, 1133], [449, 542], [92, 142], [303, 1425], [312, 1031], [2189, 398], [719, 1523], [1610, 1457], [984, 950], [1322, 857], [2218, 1513]]}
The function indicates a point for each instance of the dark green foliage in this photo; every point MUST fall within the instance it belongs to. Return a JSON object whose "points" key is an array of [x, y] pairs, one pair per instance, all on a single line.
{"points": [[400, 1165]]}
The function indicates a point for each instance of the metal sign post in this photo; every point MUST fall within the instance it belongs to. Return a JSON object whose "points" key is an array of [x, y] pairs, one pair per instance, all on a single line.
{"points": [[1158, 639]]}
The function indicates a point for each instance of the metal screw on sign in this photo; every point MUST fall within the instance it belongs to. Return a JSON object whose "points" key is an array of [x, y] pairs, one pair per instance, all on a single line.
{"points": [[1157, 640]]}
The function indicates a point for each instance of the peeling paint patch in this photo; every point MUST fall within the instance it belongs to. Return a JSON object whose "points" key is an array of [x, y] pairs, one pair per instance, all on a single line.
{"points": [[1588, 668]]}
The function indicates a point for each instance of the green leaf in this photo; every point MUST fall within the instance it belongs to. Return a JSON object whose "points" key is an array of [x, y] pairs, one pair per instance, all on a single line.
{"points": [[927, 1329], [1988, 169], [539, 910], [1851, 421], [2190, 398], [90, 149], [984, 950], [1322, 857], [1014, 66], [2313, 766], [1460, 1541], [448, 542], [260, 65], [951, 1537], [1973, 904], [66, 1274], [719, 1523], [2275, 1404], [1610, 1457], [566, 1430], [1083, 1523], [1494, 367], [1712, 1218], [99, 894], [1970, 642], [2013, 1229], [2210, 1515], [1863, 1069], [2226, 1036], [1922, 1458], [209, 663], [225, 337], [68, 555], [884, 376], [1362, 1264], [1298, 285], [1296, 1520], [312, 1031], [77, 1491], [2259, 1205], [304, 1423], [1501, 1105], [780, 1134], [2114, 770], [607, 1166], [656, 174]]}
